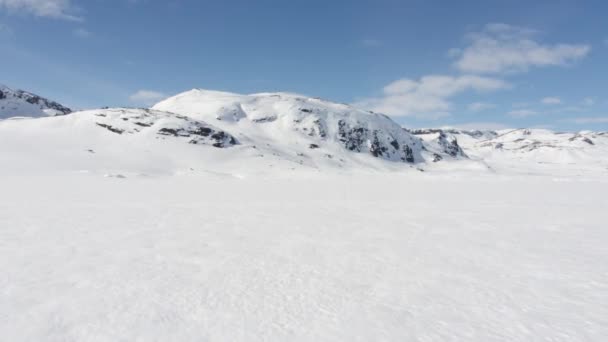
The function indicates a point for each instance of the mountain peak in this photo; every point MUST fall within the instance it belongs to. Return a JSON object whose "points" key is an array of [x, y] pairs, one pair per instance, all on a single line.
{"points": [[15, 103]]}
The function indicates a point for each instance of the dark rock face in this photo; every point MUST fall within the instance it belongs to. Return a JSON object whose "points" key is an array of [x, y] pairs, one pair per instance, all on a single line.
{"points": [[450, 145], [376, 148], [6, 93], [110, 128], [588, 141], [133, 121], [352, 138], [447, 141], [474, 133], [42, 102], [200, 135], [222, 139], [378, 144], [265, 119], [409, 154], [583, 139], [395, 144]]}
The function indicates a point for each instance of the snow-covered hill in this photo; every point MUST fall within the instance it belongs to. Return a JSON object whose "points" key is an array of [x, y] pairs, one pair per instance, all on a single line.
{"points": [[203, 130], [280, 222], [114, 141], [290, 123], [530, 150], [16, 103]]}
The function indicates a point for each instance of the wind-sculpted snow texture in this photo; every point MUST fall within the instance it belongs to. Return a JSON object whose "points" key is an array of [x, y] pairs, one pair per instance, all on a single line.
{"points": [[22, 103]]}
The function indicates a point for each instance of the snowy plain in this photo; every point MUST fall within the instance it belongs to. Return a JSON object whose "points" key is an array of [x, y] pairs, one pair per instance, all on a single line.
{"points": [[391, 256], [285, 218]]}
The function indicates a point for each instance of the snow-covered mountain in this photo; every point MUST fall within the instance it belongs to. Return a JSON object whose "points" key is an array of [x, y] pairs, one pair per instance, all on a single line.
{"points": [[19, 103], [291, 123], [529, 149], [237, 132], [231, 133]]}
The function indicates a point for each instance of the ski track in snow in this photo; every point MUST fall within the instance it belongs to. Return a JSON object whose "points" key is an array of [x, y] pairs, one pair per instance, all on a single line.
{"points": [[395, 257]]}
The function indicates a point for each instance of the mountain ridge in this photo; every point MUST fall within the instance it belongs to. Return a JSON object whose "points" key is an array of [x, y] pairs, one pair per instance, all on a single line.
{"points": [[15, 103], [289, 131]]}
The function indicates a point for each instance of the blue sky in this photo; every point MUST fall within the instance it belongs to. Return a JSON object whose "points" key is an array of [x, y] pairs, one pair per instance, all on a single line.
{"points": [[473, 64]]}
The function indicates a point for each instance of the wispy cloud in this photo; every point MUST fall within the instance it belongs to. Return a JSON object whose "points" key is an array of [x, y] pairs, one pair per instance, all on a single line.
{"points": [[522, 113], [551, 101], [504, 48], [480, 106], [146, 97], [429, 96], [588, 120], [57, 9], [81, 33]]}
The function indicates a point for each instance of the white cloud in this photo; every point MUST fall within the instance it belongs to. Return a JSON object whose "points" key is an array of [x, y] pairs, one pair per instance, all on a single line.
{"points": [[147, 97], [427, 97], [505, 48], [588, 120], [551, 101], [522, 113], [480, 106], [58, 9]]}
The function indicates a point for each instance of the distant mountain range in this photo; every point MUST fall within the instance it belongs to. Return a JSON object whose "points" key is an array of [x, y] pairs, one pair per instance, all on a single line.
{"points": [[282, 131]]}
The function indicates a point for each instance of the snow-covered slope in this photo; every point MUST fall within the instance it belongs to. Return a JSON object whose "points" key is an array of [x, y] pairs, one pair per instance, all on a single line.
{"points": [[274, 131], [530, 150], [14, 103], [266, 132], [289, 123], [113, 141], [159, 124]]}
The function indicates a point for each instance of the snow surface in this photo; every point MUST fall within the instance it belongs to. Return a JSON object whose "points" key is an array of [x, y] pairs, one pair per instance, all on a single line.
{"points": [[395, 257], [211, 218]]}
